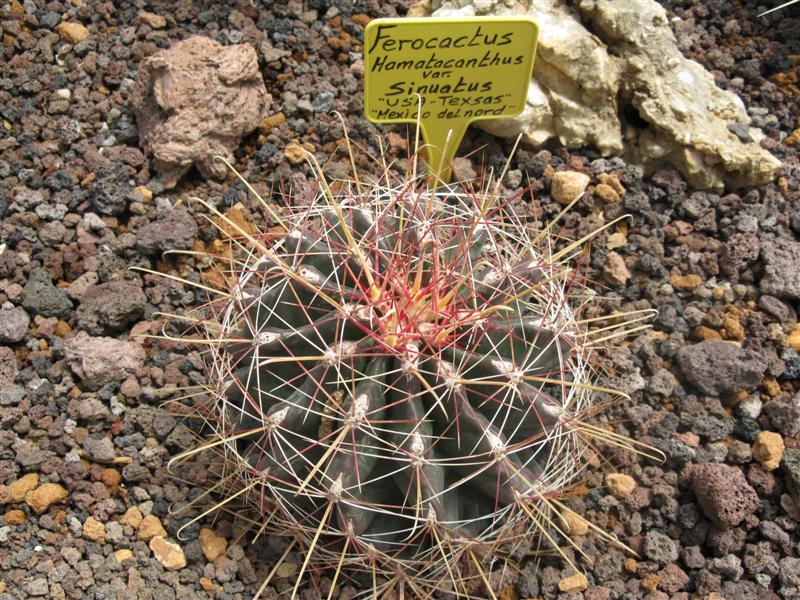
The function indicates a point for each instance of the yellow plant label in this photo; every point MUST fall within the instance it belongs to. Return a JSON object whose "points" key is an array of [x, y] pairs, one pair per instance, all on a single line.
{"points": [[447, 73]]}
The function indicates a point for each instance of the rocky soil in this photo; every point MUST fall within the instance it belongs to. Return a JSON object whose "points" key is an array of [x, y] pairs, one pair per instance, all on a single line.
{"points": [[87, 507]]}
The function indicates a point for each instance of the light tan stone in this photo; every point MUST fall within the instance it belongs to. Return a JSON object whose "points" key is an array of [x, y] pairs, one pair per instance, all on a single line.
{"points": [[793, 339], [94, 530], [152, 20], [122, 555], [168, 554], [685, 283], [573, 583], [294, 153], [132, 517], [768, 450], [213, 545], [565, 186], [17, 491], [620, 485], [575, 524], [72, 31], [42, 497], [151, 527]]}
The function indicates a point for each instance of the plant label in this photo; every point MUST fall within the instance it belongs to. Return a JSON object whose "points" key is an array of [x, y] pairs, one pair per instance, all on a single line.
{"points": [[447, 73]]}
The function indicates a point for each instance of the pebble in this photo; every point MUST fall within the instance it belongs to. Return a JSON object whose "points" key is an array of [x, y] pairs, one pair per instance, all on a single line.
{"points": [[573, 583], [168, 554], [94, 530], [175, 230], [295, 153], [723, 493], [718, 367], [72, 31], [150, 527], [132, 517], [660, 548], [213, 545], [16, 491], [122, 555], [45, 495], [41, 297], [575, 524], [620, 485], [606, 193], [152, 20], [685, 283], [615, 271], [14, 323], [566, 186], [768, 450], [14, 517], [100, 360], [110, 307]]}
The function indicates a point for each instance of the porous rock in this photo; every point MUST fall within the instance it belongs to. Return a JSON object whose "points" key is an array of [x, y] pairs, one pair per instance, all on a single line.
{"points": [[196, 100], [14, 323], [110, 306], [99, 360], [717, 367], [781, 269], [175, 230], [723, 493], [604, 58]]}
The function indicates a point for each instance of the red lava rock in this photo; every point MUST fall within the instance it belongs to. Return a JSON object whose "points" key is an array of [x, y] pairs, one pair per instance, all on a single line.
{"points": [[195, 101], [723, 493]]}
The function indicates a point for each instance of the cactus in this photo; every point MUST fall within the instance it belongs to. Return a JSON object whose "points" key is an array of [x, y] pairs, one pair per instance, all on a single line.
{"points": [[401, 381]]}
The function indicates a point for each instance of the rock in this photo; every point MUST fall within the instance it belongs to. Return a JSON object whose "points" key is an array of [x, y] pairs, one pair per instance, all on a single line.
{"points": [[789, 574], [462, 169], [685, 283], [8, 372], [566, 186], [132, 517], [43, 496], [660, 548], [16, 491], [150, 527], [110, 306], [196, 100], [99, 360], [122, 555], [781, 269], [111, 191], [717, 367], [213, 545], [790, 467], [152, 20], [41, 297], [14, 323], [99, 448], [573, 583], [615, 271], [793, 339], [81, 285], [784, 415], [620, 485], [606, 193], [36, 587], [72, 31], [602, 60], [575, 524], [723, 493], [768, 450], [168, 554], [14, 517], [174, 230], [94, 530], [295, 153]]}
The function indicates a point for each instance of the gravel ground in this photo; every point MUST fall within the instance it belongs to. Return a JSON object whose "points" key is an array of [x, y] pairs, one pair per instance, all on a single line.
{"points": [[87, 508]]}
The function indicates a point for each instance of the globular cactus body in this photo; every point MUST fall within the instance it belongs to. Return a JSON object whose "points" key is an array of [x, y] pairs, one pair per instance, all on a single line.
{"points": [[402, 377]]}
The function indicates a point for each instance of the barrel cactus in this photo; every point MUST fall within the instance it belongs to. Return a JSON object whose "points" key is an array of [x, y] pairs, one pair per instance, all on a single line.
{"points": [[400, 381]]}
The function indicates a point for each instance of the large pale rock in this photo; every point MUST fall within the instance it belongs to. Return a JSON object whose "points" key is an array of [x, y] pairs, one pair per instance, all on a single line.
{"points": [[606, 58], [98, 360], [196, 100]]}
